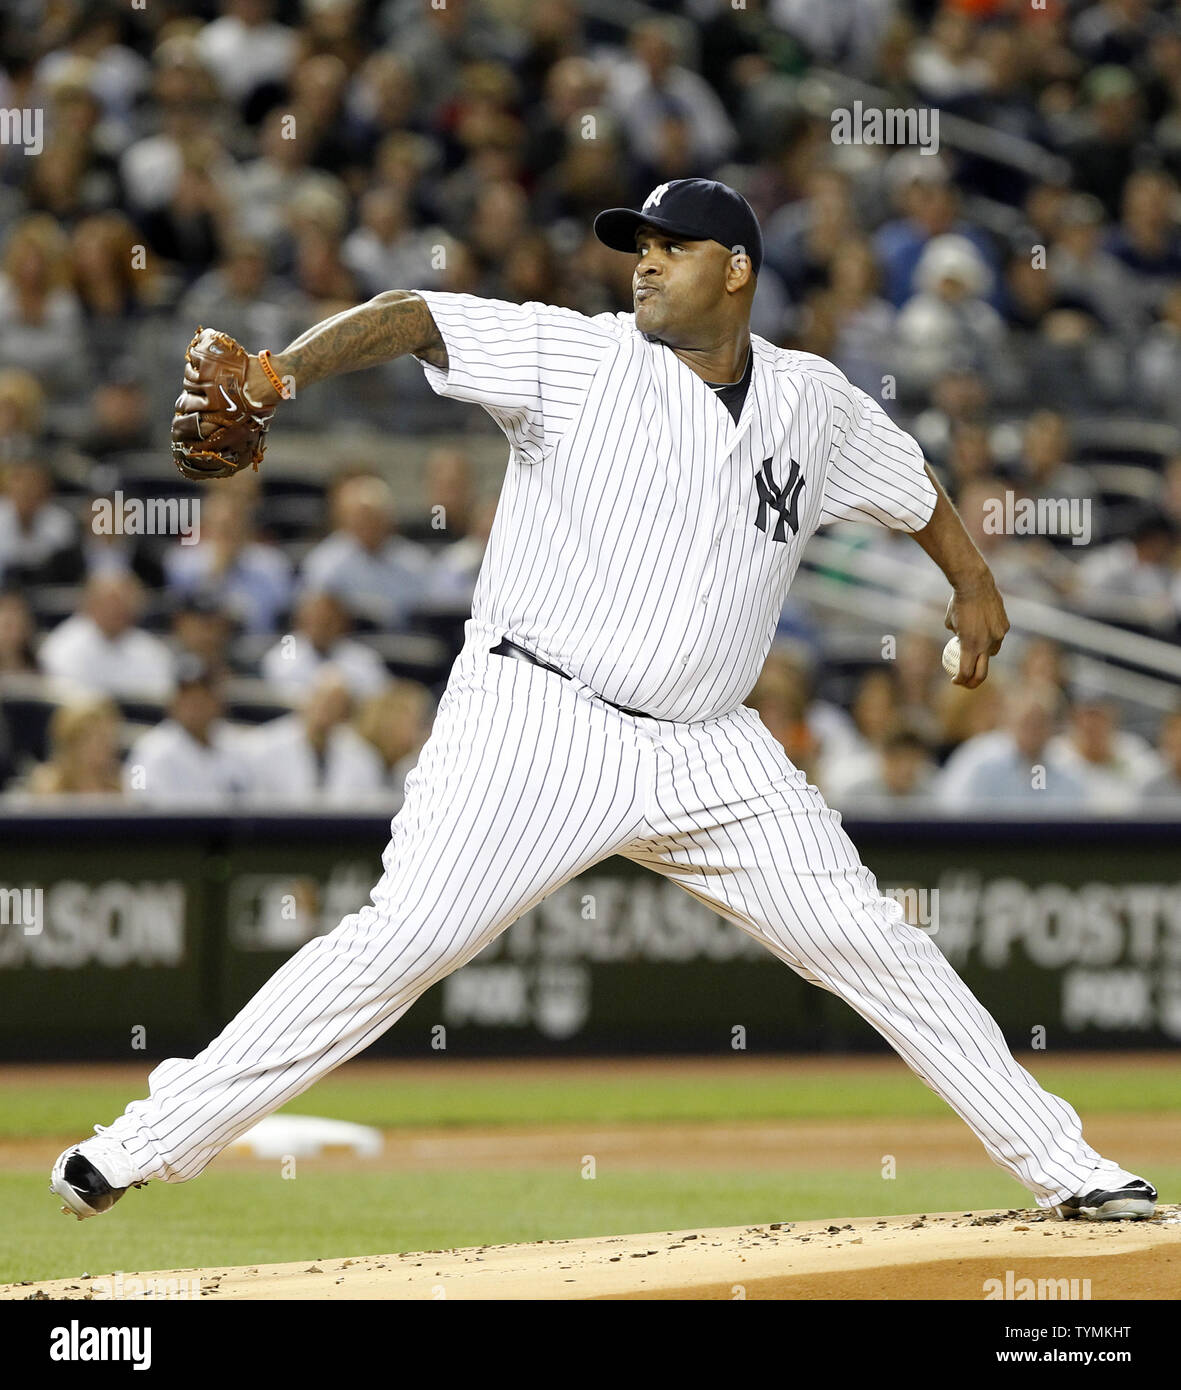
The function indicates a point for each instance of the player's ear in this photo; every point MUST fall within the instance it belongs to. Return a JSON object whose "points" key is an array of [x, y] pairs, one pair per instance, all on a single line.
{"points": [[740, 270]]}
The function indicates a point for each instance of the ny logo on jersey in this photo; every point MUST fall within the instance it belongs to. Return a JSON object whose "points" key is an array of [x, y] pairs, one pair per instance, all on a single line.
{"points": [[653, 199], [785, 500]]}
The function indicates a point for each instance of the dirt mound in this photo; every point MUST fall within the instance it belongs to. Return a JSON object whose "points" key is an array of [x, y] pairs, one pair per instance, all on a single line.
{"points": [[963, 1255]]}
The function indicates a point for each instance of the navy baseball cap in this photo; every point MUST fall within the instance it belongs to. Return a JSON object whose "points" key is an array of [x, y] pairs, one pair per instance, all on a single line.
{"points": [[697, 209]]}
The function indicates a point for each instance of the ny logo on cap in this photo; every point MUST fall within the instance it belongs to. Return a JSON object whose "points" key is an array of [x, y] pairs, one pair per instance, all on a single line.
{"points": [[653, 200]]}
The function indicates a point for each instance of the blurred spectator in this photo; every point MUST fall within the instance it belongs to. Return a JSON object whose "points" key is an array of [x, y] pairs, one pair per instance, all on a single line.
{"points": [[246, 49], [803, 239], [437, 42], [1147, 239], [1042, 663], [119, 417], [193, 760], [397, 723], [455, 568], [1046, 460], [326, 283], [114, 285], [1132, 581], [574, 88], [113, 72], [964, 715], [904, 770], [189, 228], [1166, 785], [22, 413], [1084, 273], [382, 98], [38, 536], [921, 678], [250, 580], [949, 318], [653, 87], [970, 456], [864, 322], [930, 207], [201, 629], [315, 98], [275, 183], [314, 757], [946, 66], [847, 35], [780, 698], [373, 570], [320, 640], [386, 250], [959, 396], [1111, 764], [242, 298], [16, 635], [448, 497], [1016, 766], [83, 752], [1114, 31], [877, 713], [1105, 150], [40, 317], [1158, 359], [184, 94], [75, 173], [101, 649]]}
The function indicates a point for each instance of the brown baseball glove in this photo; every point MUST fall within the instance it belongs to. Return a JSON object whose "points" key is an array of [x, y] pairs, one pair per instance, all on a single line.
{"points": [[216, 431]]}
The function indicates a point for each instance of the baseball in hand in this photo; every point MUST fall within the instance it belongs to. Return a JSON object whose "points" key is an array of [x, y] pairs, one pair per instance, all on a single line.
{"points": [[951, 657]]}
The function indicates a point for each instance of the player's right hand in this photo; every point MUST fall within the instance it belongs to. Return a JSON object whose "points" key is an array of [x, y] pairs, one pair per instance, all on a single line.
{"points": [[976, 614]]}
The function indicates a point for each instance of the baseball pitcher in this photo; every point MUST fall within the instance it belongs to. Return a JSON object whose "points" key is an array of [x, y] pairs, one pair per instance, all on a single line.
{"points": [[667, 467]]}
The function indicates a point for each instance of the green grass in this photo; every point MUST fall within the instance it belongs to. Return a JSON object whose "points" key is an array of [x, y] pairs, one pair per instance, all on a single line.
{"points": [[250, 1218], [53, 1111]]}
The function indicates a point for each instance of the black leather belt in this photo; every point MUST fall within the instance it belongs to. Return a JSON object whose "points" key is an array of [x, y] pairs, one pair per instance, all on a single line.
{"points": [[507, 648]]}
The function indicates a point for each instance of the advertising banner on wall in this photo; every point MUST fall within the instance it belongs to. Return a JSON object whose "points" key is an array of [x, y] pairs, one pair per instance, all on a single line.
{"points": [[152, 932]]}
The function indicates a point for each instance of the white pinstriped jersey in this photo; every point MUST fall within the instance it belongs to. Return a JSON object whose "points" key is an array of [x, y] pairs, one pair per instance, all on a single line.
{"points": [[644, 541]]}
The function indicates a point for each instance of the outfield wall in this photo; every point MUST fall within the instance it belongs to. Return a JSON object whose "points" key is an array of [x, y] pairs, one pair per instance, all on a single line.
{"points": [[142, 933]]}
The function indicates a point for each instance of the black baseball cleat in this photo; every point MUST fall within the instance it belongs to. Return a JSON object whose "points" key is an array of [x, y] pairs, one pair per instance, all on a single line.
{"points": [[82, 1187], [1111, 1195]]}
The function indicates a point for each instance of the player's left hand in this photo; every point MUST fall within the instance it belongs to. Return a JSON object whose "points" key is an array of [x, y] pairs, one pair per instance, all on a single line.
{"points": [[976, 614], [217, 429]]}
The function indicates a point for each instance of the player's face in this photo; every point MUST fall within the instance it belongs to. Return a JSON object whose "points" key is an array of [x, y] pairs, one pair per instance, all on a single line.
{"points": [[678, 287]]}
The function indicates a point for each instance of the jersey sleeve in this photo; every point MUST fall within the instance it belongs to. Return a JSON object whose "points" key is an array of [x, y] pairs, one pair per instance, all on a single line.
{"points": [[529, 365], [876, 470]]}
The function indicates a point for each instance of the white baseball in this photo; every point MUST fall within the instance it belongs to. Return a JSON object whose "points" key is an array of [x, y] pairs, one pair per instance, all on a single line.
{"points": [[951, 657]]}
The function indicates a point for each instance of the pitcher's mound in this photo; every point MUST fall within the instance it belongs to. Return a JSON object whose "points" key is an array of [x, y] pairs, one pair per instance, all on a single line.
{"points": [[960, 1255]]}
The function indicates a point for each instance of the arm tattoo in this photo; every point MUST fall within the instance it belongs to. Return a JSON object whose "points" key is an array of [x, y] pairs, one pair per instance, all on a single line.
{"points": [[390, 325]]}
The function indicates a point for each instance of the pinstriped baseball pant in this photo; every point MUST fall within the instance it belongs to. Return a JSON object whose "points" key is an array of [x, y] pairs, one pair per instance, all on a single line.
{"points": [[527, 780]]}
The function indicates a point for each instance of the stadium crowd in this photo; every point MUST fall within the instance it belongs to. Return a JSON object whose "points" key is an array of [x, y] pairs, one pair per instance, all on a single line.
{"points": [[1013, 297]]}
